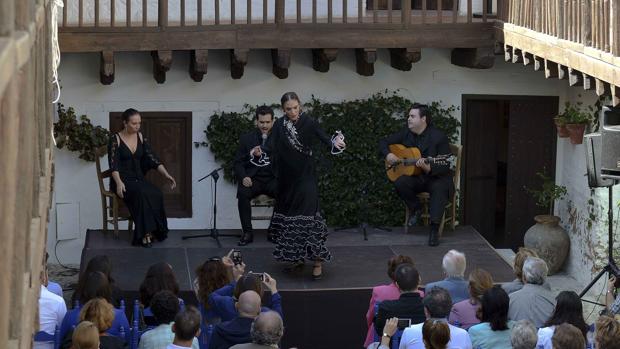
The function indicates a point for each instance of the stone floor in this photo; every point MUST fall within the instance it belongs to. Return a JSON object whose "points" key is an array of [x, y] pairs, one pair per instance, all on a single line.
{"points": [[66, 276]]}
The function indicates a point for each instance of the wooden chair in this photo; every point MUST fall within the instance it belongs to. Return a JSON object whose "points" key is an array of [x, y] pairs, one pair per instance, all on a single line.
{"points": [[110, 202], [262, 201], [449, 214]]}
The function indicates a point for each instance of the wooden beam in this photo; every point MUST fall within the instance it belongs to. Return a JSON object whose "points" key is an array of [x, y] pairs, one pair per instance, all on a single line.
{"points": [[307, 36], [198, 63], [562, 72], [238, 60], [517, 56], [365, 61], [106, 69], [575, 77], [281, 60], [539, 63], [615, 96], [551, 69], [602, 87], [477, 58], [498, 48], [162, 60], [588, 82], [528, 58], [507, 53], [403, 58], [7, 17], [321, 58]]}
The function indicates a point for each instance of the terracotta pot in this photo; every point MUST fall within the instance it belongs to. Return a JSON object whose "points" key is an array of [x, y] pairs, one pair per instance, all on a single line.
{"points": [[575, 132], [562, 130], [549, 240]]}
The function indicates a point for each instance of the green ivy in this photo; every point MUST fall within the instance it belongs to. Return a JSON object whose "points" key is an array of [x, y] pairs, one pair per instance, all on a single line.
{"points": [[78, 135], [344, 177]]}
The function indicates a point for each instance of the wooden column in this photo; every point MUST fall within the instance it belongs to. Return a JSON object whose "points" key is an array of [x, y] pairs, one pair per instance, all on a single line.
{"points": [[198, 64], [238, 60], [477, 58], [321, 58], [365, 61], [162, 60], [281, 60], [106, 69], [551, 69], [403, 58]]}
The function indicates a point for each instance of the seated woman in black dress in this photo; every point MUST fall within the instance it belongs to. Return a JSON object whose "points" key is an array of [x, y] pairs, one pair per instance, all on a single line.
{"points": [[130, 157]]}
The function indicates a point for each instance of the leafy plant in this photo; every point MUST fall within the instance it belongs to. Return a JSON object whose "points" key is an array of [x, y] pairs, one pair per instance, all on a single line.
{"points": [[78, 134], [352, 185], [548, 192]]}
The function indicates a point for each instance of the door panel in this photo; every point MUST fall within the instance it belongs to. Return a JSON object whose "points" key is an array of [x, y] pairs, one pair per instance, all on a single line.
{"points": [[531, 148], [169, 134]]}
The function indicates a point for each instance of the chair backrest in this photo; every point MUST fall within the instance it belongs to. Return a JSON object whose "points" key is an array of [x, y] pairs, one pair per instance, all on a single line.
{"points": [[206, 331], [457, 150], [396, 338], [45, 337], [101, 175]]}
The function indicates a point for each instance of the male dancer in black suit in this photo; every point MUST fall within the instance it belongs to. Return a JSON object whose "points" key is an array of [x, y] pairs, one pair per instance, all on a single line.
{"points": [[253, 180], [436, 179]]}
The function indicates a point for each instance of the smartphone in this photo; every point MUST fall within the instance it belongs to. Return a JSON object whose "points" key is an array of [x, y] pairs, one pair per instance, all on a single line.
{"points": [[260, 276], [403, 323], [236, 257]]}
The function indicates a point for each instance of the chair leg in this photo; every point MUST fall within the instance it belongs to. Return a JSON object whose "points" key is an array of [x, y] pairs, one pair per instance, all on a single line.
{"points": [[105, 214], [115, 218], [407, 213], [426, 214], [453, 217], [442, 224], [130, 226]]}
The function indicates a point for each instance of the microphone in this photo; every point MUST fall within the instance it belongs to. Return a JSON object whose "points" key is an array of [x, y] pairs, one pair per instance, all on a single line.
{"points": [[264, 136]]}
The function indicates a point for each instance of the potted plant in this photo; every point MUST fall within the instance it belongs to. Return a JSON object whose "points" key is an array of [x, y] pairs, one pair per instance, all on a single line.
{"points": [[560, 124], [546, 237], [576, 121]]}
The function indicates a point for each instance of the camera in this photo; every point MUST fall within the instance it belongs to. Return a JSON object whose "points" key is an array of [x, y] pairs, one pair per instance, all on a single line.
{"points": [[236, 257], [403, 323]]}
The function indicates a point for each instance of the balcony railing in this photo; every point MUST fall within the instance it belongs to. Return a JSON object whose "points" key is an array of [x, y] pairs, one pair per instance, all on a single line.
{"points": [[592, 23]]}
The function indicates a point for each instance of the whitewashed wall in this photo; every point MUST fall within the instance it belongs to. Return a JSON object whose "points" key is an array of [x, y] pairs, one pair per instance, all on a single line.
{"points": [[433, 78]]}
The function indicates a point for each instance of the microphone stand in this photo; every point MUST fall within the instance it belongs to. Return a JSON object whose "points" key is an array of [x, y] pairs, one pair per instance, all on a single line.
{"points": [[214, 234]]}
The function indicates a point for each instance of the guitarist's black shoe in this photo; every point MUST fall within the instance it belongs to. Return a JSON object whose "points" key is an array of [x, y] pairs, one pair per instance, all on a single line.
{"points": [[433, 236], [246, 239]]}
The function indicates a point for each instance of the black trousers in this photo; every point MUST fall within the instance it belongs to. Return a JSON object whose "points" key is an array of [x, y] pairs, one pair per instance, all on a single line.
{"points": [[267, 186], [440, 189]]}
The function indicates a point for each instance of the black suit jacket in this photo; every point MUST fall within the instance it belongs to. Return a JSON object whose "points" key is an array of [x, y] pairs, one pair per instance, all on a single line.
{"points": [[408, 306], [242, 166], [431, 142]]}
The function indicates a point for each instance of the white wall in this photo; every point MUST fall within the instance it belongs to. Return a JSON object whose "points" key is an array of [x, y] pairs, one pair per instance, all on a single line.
{"points": [[433, 78]]}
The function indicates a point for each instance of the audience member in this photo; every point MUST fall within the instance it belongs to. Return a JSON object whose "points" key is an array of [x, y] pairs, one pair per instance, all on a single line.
{"points": [[494, 330], [99, 263], [517, 267], [85, 336], [435, 334], [222, 302], [211, 275], [453, 265], [52, 286], [391, 325], [607, 333], [613, 305], [534, 301], [437, 305], [384, 292], [101, 313], [186, 328], [237, 330], [266, 332], [409, 304], [523, 335], [165, 306], [463, 313], [567, 336], [568, 309], [159, 277], [96, 285], [52, 310]]}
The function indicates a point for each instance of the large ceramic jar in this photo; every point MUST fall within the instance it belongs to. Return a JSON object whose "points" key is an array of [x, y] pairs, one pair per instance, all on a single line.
{"points": [[549, 240]]}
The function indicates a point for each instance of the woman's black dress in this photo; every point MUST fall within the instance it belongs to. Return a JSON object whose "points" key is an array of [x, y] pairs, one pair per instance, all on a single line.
{"points": [[144, 200], [297, 226]]}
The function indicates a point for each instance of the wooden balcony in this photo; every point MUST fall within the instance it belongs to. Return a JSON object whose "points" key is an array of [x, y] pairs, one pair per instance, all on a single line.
{"points": [[281, 25], [569, 39]]}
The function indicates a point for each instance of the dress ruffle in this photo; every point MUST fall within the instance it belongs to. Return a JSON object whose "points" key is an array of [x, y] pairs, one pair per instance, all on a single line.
{"points": [[299, 237]]}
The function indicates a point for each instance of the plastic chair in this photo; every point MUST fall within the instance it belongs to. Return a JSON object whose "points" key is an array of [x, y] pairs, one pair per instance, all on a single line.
{"points": [[206, 331], [396, 339], [45, 337]]}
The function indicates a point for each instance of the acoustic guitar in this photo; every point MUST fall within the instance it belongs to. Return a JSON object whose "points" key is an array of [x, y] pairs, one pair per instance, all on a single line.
{"points": [[408, 157]]}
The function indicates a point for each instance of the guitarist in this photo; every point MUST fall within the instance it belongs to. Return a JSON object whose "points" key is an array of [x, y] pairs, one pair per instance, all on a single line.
{"points": [[435, 179]]}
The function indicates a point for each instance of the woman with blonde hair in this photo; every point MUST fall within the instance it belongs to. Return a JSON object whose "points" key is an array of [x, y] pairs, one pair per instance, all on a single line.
{"points": [[435, 334], [85, 336], [463, 313], [101, 314]]}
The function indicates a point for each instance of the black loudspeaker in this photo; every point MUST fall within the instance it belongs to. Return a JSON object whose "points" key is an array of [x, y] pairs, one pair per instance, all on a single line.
{"points": [[593, 145], [610, 136]]}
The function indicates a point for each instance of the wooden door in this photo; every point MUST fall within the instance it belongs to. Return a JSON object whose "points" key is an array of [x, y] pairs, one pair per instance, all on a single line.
{"points": [[170, 135], [480, 165], [531, 148]]}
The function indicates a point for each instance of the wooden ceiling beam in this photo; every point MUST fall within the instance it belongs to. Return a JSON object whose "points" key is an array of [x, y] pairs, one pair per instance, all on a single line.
{"points": [[517, 55], [238, 60], [539, 63], [365, 59], [562, 72], [403, 58], [198, 63], [575, 77], [588, 82], [281, 60], [106, 67], [322, 57], [162, 60], [551, 69], [528, 58], [601, 87], [476, 58]]}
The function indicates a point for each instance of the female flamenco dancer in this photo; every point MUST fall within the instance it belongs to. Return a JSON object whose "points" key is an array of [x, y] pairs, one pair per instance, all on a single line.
{"points": [[130, 157], [297, 226]]}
